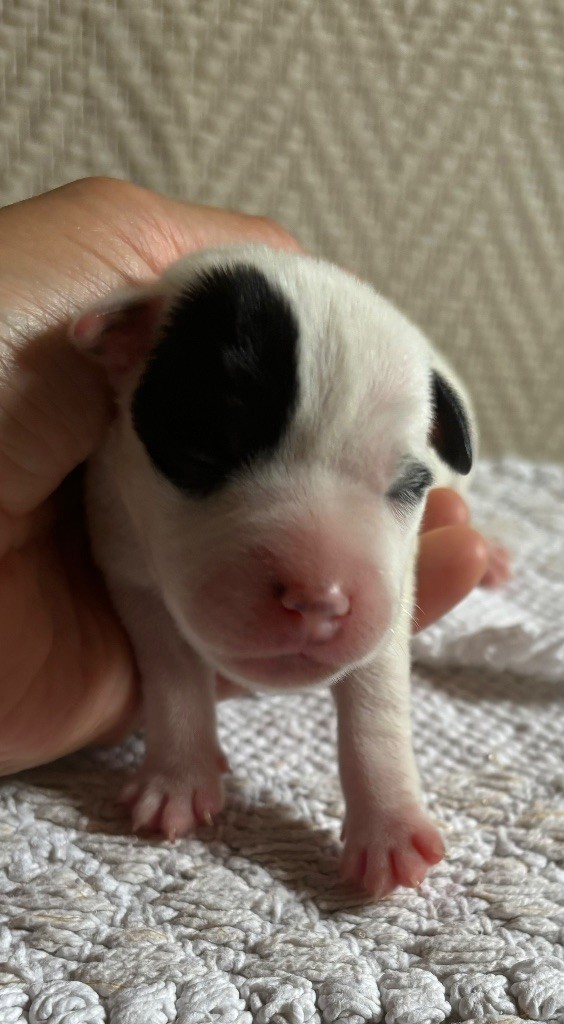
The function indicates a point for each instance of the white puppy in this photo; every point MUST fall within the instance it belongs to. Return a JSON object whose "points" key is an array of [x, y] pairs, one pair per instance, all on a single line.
{"points": [[255, 509]]}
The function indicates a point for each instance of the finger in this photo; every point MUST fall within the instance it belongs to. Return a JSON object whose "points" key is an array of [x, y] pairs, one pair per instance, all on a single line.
{"points": [[444, 507], [201, 227], [67, 676], [452, 561], [18, 530], [130, 718], [54, 407]]}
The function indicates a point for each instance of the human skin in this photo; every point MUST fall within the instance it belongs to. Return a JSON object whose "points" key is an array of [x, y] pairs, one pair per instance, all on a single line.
{"points": [[67, 676]]}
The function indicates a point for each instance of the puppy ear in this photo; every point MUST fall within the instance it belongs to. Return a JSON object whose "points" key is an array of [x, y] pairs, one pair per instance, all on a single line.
{"points": [[451, 433], [119, 331]]}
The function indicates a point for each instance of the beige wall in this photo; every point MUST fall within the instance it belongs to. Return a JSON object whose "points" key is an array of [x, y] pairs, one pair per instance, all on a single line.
{"points": [[419, 143]]}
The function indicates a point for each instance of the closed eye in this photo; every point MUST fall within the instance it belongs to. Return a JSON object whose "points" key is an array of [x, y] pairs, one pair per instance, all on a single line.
{"points": [[411, 485]]}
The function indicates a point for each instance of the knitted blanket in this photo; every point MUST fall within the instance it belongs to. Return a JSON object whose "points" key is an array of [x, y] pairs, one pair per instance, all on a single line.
{"points": [[248, 921]]}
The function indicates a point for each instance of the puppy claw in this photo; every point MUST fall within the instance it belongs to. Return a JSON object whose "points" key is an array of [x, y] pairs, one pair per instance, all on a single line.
{"points": [[171, 805], [398, 850]]}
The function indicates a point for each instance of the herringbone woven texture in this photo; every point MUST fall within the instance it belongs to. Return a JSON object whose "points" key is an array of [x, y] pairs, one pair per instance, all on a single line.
{"points": [[419, 143]]}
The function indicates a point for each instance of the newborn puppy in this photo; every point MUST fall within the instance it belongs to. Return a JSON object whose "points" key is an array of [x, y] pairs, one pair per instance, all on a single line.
{"points": [[255, 508]]}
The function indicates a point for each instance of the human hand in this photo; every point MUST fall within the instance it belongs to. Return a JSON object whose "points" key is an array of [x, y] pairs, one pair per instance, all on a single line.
{"points": [[67, 676]]}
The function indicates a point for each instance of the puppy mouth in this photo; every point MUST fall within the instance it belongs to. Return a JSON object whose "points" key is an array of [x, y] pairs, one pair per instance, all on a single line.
{"points": [[295, 663], [288, 658], [296, 668]]}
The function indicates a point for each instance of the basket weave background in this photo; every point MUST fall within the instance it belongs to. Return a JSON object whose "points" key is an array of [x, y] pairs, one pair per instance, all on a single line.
{"points": [[419, 143]]}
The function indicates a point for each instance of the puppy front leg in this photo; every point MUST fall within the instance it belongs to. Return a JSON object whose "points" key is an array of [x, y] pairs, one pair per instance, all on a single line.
{"points": [[179, 784], [389, 838]]}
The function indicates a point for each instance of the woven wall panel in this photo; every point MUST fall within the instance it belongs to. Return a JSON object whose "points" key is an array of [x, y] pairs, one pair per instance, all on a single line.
{"points": [[420, 143]]}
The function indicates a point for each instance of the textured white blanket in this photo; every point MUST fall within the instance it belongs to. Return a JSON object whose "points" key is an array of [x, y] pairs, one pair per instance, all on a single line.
{"points": [[248, 922]]}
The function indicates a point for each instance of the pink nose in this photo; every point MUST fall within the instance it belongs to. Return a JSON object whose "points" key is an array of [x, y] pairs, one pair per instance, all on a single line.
{"points": [[322, 609]]}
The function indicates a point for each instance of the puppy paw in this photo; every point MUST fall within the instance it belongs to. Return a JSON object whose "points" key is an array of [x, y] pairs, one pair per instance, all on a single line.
{"points": [[499, 566], [389, 849], [172, 802]]}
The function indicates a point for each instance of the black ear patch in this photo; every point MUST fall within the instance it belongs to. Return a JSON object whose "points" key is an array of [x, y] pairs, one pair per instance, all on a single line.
{"points": [[450, 436], [220, 386]]}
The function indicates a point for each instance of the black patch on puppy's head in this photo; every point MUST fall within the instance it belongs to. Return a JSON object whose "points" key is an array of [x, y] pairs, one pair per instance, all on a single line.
{"points": [[221, 384], [451, 435]]}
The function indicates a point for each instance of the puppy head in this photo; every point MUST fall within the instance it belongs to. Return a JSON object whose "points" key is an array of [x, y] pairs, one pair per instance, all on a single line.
{"points": [[278, 428]]}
